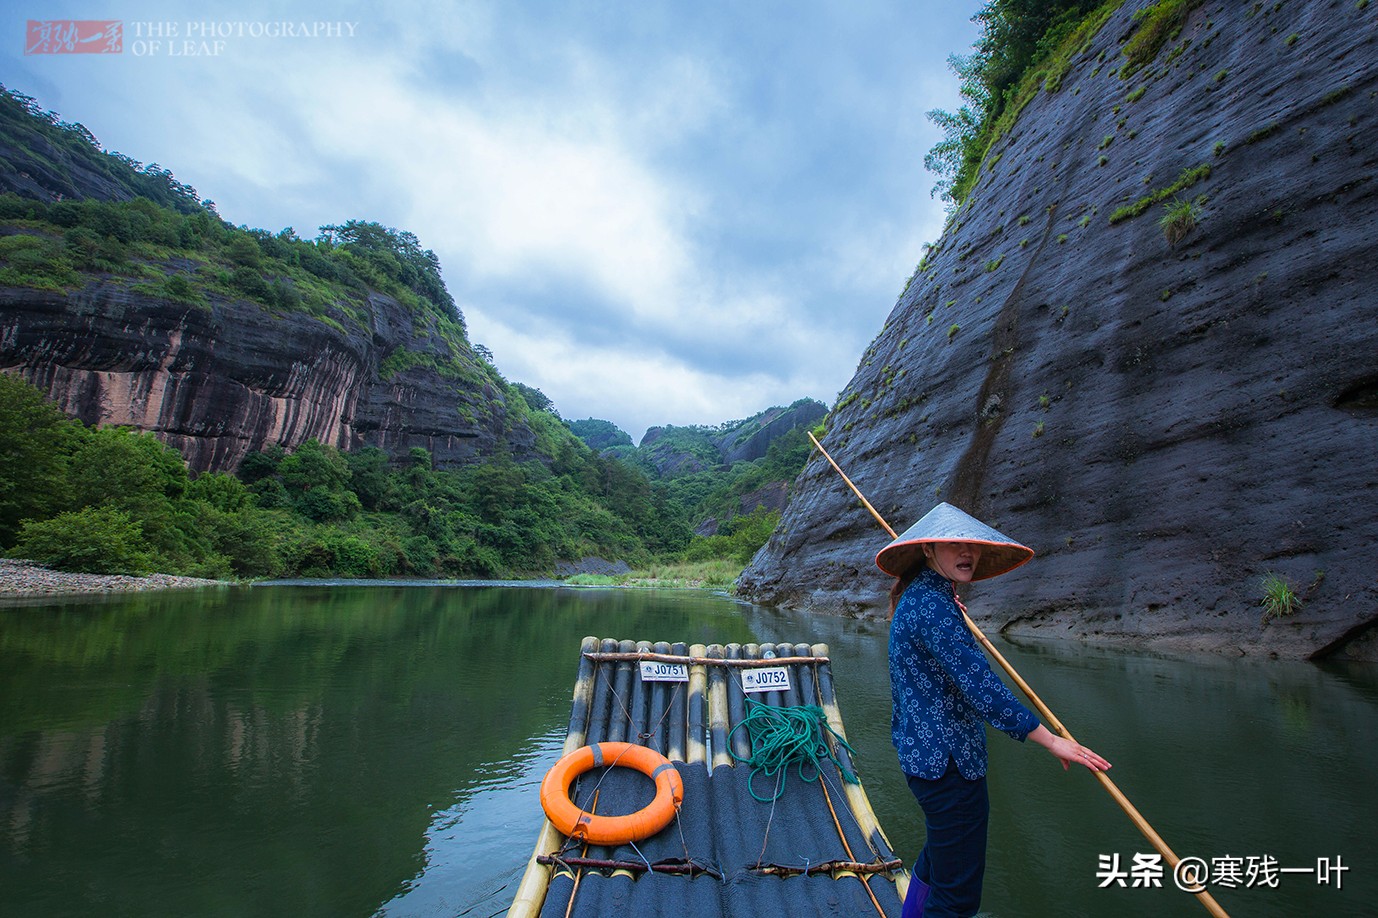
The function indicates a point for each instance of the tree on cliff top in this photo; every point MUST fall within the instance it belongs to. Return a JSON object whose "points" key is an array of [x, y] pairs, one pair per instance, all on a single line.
{"points": [[396, 255], [38, 142], [1015, 34]]}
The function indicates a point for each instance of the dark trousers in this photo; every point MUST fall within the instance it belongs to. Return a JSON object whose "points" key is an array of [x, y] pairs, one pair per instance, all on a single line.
{"points": [[953, 861]]}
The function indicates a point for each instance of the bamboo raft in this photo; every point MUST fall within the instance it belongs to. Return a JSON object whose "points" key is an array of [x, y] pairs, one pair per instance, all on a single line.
{"points": [[816, 849]]}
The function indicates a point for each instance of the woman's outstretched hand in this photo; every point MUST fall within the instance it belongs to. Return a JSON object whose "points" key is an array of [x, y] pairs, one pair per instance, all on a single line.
{"points": [[1067, 751]]}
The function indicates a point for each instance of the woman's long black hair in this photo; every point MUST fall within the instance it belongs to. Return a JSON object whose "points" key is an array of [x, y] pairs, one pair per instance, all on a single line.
{"points": [[903, 580]]}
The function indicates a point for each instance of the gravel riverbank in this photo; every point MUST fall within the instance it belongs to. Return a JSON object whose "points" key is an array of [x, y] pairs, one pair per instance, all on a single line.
{"points": [[23, 578]]}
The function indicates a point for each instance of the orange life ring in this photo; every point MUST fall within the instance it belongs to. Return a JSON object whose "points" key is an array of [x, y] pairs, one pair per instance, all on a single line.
{"points": [[612, 830]]}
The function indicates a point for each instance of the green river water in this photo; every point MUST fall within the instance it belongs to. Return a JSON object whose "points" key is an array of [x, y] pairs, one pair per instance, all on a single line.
{"points": [[376, 749]]}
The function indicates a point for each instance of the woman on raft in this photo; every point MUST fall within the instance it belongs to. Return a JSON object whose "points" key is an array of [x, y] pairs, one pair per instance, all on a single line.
{"points": [[944, 693]]}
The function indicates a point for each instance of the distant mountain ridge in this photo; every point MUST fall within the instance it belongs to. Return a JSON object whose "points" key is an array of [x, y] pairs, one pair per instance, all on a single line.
{"points": [[671, 451], [736, 468]]}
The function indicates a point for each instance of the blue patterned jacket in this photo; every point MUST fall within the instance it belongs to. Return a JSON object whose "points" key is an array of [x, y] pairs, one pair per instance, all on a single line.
{"points": [[943, 689]]}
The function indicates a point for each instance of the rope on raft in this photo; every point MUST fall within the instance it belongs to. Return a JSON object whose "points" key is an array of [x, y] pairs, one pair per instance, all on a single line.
{"points": [[785, 736]]}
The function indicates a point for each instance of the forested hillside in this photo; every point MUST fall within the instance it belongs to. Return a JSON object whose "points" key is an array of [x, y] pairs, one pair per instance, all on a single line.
{"points": [[189, 396], [116, 500]]}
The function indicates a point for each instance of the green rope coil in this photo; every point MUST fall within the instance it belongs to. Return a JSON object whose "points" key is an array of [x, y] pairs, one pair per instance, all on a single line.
{"points": [[786, 736]]}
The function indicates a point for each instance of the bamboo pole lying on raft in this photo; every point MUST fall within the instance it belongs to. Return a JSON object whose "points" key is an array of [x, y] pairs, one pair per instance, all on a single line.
{"points": [[831, 867], [536, 880], [779, 870], [857, 801], [718, 715], [1135, 816], [697, 751], [633, 867]]}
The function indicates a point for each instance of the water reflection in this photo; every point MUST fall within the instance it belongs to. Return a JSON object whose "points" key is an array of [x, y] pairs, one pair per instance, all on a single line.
{"points": [[357, 749], [495, 809]]}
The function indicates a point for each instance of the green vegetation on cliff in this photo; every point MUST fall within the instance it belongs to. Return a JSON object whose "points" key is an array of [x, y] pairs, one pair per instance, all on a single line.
{"points": [[367, 517], [1016, 36], [73, 211], [718, 493], [192, 257], [1026, 47], [66, 158], [691, 466], [600, 434], [112, 500]]}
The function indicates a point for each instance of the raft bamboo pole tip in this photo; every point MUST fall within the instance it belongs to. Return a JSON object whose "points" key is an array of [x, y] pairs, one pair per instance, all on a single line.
{"points": [[535, 882]]}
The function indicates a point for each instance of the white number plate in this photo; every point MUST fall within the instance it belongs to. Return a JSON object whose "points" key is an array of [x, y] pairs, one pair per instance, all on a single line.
{"points": [[663, 672], [765, 679]]}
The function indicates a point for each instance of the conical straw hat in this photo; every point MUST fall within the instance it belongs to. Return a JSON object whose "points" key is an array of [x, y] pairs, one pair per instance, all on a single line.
{"points": [[945, 523]]}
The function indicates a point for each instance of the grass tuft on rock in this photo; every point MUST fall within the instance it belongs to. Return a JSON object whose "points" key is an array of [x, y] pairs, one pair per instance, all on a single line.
{"points": [[1279, 599], [1158, 24], [1184, 181], [1180, 218]]}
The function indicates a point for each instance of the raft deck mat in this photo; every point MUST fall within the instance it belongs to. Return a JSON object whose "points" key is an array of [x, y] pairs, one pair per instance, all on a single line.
{"points": [[816, 850]]}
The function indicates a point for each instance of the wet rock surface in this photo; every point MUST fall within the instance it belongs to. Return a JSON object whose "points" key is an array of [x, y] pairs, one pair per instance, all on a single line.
{"points": [[224, 379], [1164, 423]]}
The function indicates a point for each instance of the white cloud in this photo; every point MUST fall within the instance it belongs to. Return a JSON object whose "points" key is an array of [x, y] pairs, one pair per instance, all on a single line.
{"points": [[654, 214], [510, 188], [636, 389]]}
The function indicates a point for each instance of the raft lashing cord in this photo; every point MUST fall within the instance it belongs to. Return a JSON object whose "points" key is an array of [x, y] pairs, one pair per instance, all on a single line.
{"points": [[785, 736]]}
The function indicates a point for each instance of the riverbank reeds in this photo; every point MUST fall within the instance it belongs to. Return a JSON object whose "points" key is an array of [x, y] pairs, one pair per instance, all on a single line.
{"points": [[713, 574]]}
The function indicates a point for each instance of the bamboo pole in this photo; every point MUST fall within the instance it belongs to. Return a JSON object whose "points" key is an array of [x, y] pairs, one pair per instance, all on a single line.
{"points": [[1130, 810], [579, 871], [736, 710], [696, 748], [717, 711], [679, 709], [857, 800], [535, 881]]}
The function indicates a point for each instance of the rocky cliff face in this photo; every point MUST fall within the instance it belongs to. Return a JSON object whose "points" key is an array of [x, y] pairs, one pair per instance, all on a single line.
{"points": [[675, 451], [750, 440], [219, 381], [227, 376], [1164, 423]]}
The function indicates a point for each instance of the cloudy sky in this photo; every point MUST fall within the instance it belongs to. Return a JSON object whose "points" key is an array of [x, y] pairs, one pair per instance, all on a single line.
{"points": [[655, 212]]}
